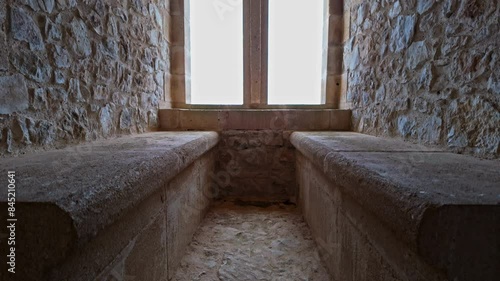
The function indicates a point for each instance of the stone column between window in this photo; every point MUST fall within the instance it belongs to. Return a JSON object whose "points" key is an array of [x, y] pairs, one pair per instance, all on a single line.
{"points": [[337, 78], [179, 54]]}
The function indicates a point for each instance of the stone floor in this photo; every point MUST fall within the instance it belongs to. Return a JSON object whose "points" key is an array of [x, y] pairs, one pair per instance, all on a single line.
{"points": [[238, 241]]}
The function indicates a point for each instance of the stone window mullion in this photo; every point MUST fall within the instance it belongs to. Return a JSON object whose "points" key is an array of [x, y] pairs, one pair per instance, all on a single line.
{"points": [[255, 34]]}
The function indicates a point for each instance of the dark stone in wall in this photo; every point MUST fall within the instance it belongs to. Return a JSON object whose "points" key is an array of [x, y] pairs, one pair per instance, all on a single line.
{"points": [[3, 11], [24, 28], [13, 94], [32, 66], [402, 35], [4, 55]]}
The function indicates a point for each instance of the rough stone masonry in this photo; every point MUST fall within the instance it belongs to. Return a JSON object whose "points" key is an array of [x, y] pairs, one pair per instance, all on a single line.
{"points": [[73, 71], [426, 71]]}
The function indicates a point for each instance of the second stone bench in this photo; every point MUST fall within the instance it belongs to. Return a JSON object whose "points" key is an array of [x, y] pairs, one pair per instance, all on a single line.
{"points": [[382, 209]]}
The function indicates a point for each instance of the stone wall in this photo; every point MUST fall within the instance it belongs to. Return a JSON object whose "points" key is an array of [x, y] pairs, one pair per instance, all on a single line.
{"points": [[73, 71], [256, 166], [427, 71]]}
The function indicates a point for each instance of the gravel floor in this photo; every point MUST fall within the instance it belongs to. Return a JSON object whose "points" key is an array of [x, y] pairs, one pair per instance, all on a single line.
{"points": [[239, 242]]}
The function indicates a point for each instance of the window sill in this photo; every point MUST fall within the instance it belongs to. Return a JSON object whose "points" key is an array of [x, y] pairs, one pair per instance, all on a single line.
{"points": [[217, 119]]}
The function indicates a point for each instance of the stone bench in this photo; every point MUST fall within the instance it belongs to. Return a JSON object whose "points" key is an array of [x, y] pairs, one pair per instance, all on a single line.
{"points": [[121, 209], [382, 209]]}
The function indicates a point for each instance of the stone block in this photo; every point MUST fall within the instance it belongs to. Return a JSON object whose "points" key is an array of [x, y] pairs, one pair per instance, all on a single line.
{"points": [[307, 120], [187, 204], [336, 7], [199, 120], [13, 94], [346, 25], [335, 30], [178, 61], [278, 120], [25, 29], [333, 87], [80, 38], [177, 7], [177, 34], [424, 5], [255, 166], [31, 65], [343, 102], [169, 120], [403, 33], [4, 54], [340, 120], [53, 32], [417, 54], [335, 59], [3, 13], [178, 90], [167, 22], [254, 120], [148, 257]]}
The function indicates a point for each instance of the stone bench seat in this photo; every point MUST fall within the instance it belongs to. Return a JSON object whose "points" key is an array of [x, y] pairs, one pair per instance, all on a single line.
{"points": [[105, 191], [428, 214]]}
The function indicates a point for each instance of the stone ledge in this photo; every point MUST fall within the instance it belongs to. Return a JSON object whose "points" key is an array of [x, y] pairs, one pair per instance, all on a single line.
{"points": [[255, 119], [68, 197], [444, 206]]}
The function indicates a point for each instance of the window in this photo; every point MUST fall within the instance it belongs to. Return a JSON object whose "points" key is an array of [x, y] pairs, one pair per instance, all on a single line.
{"points": [[295, 59], [216, 53], [252, 54]]}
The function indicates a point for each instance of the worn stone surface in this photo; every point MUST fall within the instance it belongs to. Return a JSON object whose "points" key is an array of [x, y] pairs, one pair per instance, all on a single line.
{"points": [[339, 227], [157, 250], [84, 69], [269, 119], [13, 94], [239, 242], [436, 63], [4, 54], [25, 29], [3, 12], [84, 188], [188, 197], [256, 165], [439, 205], [32, 66]]}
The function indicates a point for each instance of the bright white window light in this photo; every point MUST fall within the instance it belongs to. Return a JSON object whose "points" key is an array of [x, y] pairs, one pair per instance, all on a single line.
{"points": [[295, 51], [216, 31]]}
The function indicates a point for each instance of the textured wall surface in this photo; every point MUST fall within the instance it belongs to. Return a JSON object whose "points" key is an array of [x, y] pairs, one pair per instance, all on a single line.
{"points": [[189, 197], [73, 71], [256, 165], [426, 71]]}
